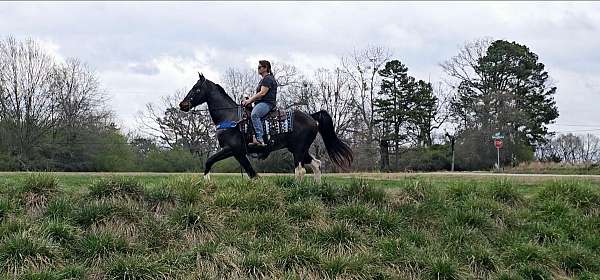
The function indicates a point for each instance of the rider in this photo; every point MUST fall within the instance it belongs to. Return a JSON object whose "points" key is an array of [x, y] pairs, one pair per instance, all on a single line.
{"points": [[265, 97]]}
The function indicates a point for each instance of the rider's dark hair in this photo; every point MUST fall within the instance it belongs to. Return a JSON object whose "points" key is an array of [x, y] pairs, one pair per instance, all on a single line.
{"points": [[267, 64]]}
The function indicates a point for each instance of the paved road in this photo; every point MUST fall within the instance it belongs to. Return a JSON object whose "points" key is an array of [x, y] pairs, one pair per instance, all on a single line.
{"points": [[470, 174], [362, 174]]}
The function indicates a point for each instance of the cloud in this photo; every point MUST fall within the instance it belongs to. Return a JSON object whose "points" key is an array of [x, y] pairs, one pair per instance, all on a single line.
{"points": [[144, 69], [51, 48], [145, 50], [131, 90]]}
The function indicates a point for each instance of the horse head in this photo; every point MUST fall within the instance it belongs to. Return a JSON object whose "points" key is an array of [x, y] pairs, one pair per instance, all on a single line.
{"points": [[197, 95]]}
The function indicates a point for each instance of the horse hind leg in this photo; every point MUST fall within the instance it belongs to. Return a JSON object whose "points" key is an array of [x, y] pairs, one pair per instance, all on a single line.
{"points": [[299, 171], [315, 165]]}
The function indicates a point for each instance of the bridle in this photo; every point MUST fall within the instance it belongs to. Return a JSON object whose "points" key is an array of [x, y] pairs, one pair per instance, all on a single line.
{"points": [[199, 111]]}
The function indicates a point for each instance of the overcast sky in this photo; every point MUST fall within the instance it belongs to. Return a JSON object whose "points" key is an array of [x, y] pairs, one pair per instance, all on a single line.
{"points": [[145, 50]]}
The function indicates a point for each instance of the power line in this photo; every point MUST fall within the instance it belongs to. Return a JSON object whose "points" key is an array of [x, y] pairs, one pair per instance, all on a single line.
{"points": [[576, 125], [582, 130], [584, 125]]}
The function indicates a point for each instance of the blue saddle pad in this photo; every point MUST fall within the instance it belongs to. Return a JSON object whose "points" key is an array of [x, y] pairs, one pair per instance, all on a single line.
{"points": [[226, 124]]}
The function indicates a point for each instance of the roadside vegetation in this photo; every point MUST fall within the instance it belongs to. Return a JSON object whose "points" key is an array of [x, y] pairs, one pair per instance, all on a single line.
{"points": [[187, 228]]}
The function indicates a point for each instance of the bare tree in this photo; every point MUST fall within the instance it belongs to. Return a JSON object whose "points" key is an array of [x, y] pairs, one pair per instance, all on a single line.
{"points": [[78, 100], [570, 148], [460, 70], [362, 67], [590, 149], [462, 67], [567, 147], [175, 128], [335, 93], [26, 102], [301, 96], [240, 82], [292, 89], [286, 74]]}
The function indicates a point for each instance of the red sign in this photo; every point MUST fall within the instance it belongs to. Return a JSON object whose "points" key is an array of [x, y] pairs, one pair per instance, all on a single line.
{"points": [[498, 143]]}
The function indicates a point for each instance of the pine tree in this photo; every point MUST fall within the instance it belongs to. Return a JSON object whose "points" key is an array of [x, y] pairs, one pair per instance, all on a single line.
{"points": [[405, 108]]}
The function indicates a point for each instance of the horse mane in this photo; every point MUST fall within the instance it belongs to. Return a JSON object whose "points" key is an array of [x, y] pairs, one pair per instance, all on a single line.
{"points": [[222, 91]]}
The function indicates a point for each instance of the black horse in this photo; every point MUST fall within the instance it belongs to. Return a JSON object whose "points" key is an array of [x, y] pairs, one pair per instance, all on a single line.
{"points": [[305, 128]]}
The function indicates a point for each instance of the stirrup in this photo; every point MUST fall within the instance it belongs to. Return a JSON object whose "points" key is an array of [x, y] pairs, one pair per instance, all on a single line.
{"points": [[257, 144], [254, 155]]}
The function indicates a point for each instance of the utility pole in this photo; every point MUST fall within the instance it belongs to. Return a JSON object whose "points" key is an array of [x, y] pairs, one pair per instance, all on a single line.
{"points": [[452, 141]]}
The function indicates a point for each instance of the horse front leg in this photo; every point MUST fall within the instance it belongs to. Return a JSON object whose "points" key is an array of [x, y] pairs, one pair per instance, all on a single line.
{"points": [[245, 163], [218, 156]]}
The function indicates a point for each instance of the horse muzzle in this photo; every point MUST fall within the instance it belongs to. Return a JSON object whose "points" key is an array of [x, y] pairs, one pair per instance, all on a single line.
{"points": [[185, 106]]}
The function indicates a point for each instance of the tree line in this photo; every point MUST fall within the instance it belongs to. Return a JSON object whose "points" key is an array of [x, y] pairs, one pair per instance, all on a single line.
{"points": [[55, 115]]}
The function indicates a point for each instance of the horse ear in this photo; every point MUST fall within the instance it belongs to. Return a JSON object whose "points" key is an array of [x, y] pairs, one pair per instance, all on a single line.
{"points": [[200, 75]]}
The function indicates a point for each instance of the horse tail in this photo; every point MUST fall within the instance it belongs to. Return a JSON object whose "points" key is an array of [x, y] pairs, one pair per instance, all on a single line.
{"points": [[338, 151]]}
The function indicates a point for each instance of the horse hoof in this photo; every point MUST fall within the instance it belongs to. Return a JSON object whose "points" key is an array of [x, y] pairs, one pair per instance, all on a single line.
{"points": [[207, 176]]}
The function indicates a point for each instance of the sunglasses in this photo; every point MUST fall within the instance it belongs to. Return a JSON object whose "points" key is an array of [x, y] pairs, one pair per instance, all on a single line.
{"points": [[260, 66]]}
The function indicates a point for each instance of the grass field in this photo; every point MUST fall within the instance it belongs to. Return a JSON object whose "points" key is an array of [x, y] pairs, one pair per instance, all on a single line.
{"points": [[379, 226]]}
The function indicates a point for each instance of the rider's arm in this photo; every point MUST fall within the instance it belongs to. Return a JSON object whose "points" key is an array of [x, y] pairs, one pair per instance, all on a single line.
{"points": [[263, 91]]}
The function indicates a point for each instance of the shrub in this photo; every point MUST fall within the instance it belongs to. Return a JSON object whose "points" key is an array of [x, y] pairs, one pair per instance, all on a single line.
{"points": [[295, 256], [360, 190], [578, 195], [6, 207], [262, 224], [187, 189], [40, 184], [136, 267], [94, 212], [255, 198], [504, 192], [443, 269], [59, 208], [99, 245], [22, 249], [190, 217], [60, 231], [356, 265], [255, 265], [304, 210], [116, 187], [338, 233], [157, 232], [534, 272]]}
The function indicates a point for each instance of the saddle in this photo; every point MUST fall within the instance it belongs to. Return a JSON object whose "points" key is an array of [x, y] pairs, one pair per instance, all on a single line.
{"points": [[275, 122]]}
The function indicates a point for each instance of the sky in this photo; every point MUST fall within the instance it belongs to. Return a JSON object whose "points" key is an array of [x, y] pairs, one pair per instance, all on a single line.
{"points": [[142, 51]]}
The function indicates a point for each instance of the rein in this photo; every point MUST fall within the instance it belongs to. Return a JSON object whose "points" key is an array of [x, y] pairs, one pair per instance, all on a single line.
{"points": [[198, 111], [238, 107]]}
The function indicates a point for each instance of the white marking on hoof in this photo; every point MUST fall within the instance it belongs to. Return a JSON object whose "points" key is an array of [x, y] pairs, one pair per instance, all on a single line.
{"points": [[300, 171], [207, 176], [315, 165]]}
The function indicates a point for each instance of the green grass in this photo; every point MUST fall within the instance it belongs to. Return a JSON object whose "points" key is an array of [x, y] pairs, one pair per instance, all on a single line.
{"points": [[24, 250], [136, 267], [181, 227], [99, 245], [116, 187]]}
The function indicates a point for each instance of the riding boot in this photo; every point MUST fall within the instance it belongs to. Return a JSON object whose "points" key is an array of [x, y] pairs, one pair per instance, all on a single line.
{"points": [[255, 142]]}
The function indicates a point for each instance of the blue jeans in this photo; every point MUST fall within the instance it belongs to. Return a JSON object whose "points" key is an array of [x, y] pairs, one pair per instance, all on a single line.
{"points": [[259, 111]]}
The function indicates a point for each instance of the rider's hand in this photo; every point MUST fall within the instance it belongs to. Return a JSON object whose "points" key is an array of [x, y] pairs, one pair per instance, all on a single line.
{"points": [[246, 102]]}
